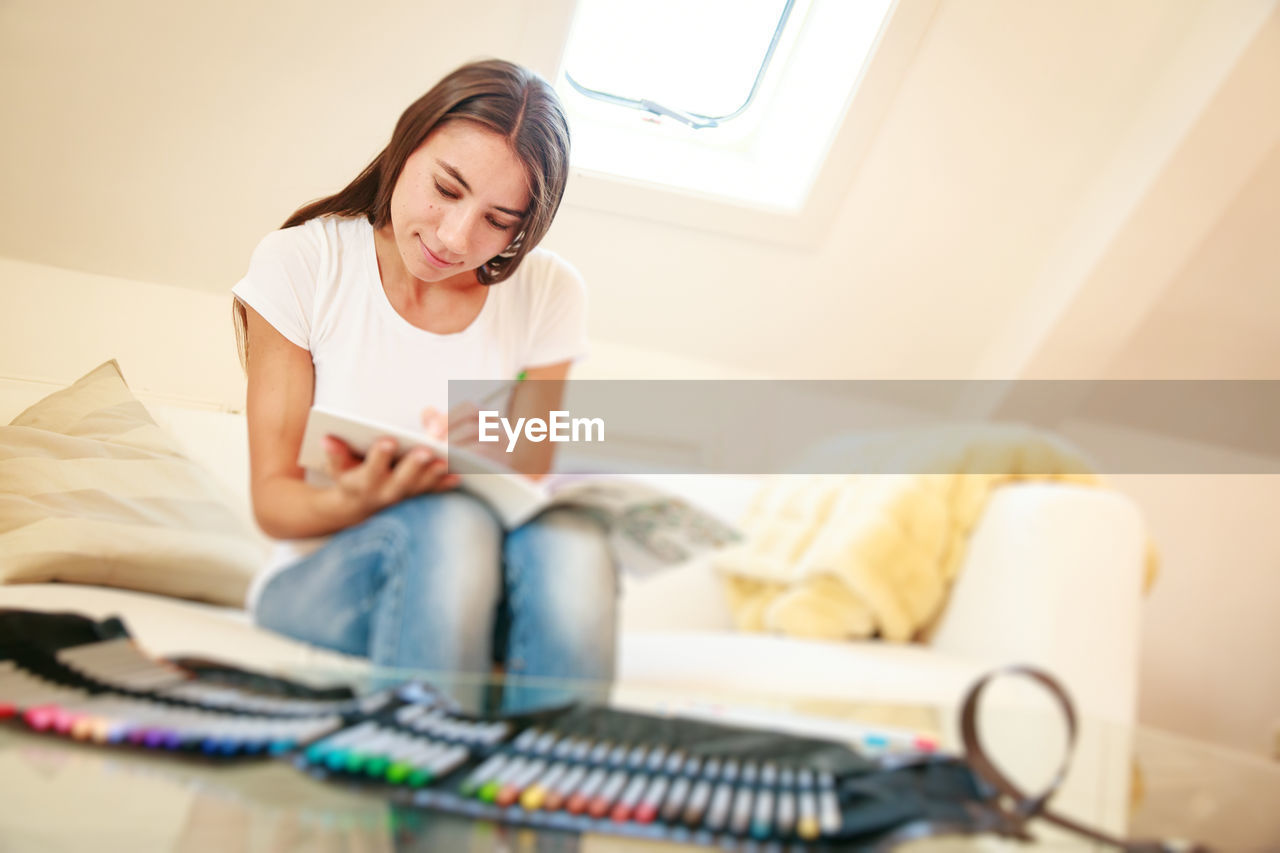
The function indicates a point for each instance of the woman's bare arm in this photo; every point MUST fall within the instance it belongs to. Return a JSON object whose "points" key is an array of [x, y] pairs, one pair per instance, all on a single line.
{"points": [[536, 397], [281, 387]]}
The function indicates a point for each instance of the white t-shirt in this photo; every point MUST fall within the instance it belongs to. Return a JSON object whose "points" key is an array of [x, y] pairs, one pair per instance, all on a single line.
{"points": [[318, 285]]}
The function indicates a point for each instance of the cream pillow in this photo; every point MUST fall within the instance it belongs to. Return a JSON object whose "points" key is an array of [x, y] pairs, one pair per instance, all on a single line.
{"points": [[92, 491]]}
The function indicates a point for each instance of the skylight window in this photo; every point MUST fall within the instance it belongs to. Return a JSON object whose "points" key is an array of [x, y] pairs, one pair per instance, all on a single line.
{"points": [[638, 61], [733, 100]]}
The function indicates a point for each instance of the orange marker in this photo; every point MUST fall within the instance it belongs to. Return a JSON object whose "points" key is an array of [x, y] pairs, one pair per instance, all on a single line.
{"points": [[581, 798], [557, 794], [602, 802]]}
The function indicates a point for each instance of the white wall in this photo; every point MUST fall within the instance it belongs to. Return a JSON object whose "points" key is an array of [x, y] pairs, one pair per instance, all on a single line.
{"points": [[158, 142], [1210, 634]]}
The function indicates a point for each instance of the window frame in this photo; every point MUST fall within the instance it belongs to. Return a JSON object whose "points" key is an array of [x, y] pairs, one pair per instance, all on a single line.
{"points": [[695, 121], [904, 28]]}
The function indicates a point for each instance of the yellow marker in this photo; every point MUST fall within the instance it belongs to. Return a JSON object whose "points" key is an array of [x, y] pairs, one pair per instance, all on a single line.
{"points": [[807, 827], [533, 797], [82, 728], [101, 729]]}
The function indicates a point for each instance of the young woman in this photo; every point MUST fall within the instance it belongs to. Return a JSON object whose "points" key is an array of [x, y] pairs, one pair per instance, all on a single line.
{"points": [[425, 269]]}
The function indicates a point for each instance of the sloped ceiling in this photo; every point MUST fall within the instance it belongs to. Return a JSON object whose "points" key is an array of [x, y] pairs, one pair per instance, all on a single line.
{"points": [[158, 142], [1219, 316]]}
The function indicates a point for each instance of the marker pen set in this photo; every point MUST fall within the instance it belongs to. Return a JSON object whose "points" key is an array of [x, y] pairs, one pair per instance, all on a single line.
{"points": [[413, 746], [897, 743], [579, 768], [542, 777], [121, 665], [105, 717], [383, 754]]}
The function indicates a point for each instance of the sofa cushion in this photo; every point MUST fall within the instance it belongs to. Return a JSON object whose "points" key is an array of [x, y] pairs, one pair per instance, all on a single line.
{"points": [[93, 491], [756, 665]]}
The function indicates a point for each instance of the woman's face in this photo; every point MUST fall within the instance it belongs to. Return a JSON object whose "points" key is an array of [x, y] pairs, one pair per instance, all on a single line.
{"points": [[459, 201]]}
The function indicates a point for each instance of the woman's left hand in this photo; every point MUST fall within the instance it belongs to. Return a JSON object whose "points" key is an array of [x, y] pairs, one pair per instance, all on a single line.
{"points": [[461, 429]]}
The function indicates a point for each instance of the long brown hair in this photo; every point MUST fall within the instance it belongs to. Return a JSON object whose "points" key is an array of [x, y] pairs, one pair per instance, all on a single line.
{"points": [[506, 98]]}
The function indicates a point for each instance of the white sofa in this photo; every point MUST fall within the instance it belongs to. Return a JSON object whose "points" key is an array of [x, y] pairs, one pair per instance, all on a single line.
{"points": [[1052, 577]]}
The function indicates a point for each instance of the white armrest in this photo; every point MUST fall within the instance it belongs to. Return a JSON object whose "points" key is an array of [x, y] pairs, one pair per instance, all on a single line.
{"points": [[1053, 577], [688, 597]]}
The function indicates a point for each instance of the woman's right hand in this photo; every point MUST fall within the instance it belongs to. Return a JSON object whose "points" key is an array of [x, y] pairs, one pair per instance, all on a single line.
{"points": [[378, 480]]}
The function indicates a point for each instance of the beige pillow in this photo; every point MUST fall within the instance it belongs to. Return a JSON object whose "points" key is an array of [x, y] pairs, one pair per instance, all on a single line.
{"points": [[92, 491]]}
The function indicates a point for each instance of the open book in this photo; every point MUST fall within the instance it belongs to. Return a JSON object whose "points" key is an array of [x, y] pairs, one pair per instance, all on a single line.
{"points": [[649, 528]]}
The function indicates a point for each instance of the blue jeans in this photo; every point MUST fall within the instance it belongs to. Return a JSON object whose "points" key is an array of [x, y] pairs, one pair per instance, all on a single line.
{"points": [[434, 584]]}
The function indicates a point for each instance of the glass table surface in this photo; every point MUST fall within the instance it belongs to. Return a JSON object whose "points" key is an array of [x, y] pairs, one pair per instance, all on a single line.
{"points": [[60, 794]]}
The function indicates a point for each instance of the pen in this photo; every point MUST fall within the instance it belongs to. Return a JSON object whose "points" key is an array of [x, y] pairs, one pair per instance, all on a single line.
{"points": [[504, 388], [495, 394]]}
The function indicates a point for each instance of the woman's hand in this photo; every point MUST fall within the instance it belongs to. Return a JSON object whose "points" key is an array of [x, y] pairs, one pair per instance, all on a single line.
{"points": [[379, 480], [462, 425]]}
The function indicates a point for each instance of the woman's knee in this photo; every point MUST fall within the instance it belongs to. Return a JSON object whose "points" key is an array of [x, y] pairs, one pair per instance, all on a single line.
{"points": [[566, 537], [453, 513], [562, 563], [455, 543]]}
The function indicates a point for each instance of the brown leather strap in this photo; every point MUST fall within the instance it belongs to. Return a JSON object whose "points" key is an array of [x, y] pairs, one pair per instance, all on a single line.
{"points": [[1019, 808]]}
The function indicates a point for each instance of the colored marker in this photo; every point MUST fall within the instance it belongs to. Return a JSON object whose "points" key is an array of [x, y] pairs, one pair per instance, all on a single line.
{"points": [[762, 815], [740, 818], [412, 755], [599, 752], [636, 757], [524, 741], [514, 770], [535, 795], [408, 758], [433, 760], [409, 714], [807, 826], [718, 811], [673, 805], [365, 750], [617, 756], [510, 792], [450, 761], [603, 801], [579, 800], [39, 718], [829, 818], [558, 793], [471, 786], [545, 744], [564, 748], [330, 751], [786, 819], [630, 798], [700, 794]]}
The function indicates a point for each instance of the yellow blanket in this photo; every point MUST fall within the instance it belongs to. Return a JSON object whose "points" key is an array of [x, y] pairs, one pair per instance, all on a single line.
{"points": [[853, 556]]}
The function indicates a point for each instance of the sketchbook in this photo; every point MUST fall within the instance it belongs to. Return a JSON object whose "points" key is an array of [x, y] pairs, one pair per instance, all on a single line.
{"points": [[648, 527]]}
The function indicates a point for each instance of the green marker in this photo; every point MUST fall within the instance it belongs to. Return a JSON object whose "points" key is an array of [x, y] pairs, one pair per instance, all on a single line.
{"points": [[472, 785], [377, 765], [331, 752]]}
